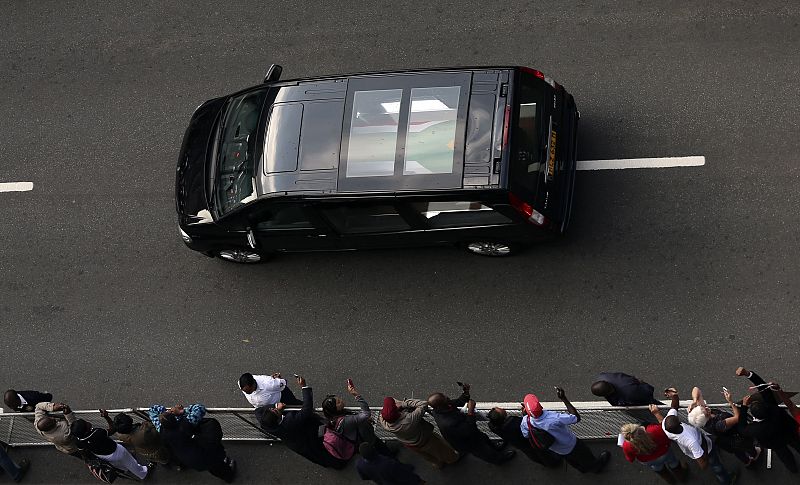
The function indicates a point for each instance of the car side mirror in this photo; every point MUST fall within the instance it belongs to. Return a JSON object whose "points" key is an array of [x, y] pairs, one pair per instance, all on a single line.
{"points": [[273, 73]]}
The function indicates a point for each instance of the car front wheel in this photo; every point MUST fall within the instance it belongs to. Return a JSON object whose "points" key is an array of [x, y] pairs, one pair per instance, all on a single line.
{"points": [[241, 256], [486, 248]]}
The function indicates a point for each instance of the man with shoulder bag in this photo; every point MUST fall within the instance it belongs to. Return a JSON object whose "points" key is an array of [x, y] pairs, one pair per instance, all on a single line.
{"points": [[508, 428], [561, 440]]}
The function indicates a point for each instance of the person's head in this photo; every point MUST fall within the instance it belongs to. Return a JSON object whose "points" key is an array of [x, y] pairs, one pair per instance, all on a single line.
{"points": [[123, 423], [497, 416], [269, 418], [80, 428], [332, 406], [11, 399], [532, 406], [603, 389], [673, 425], [46, 424], [168, 421], [758, 409], [698, 416], [389, 412], [367, 451], [637, 436], [247, 383], [438, 401]]}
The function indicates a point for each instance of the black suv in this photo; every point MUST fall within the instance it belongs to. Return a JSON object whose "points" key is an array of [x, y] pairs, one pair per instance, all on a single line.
{"points": [[479, 157]]}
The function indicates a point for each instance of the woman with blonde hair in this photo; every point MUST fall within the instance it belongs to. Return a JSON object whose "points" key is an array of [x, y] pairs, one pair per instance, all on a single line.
{"points": [[650, 446]]}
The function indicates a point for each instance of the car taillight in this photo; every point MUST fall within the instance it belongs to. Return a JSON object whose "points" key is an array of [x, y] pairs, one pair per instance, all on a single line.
{"points": [[533, 216], [534, 72], [541, 76]]}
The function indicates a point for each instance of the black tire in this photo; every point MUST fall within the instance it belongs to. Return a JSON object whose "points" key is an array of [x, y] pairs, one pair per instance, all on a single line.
{"points": [[241, 256], [494, 249]]}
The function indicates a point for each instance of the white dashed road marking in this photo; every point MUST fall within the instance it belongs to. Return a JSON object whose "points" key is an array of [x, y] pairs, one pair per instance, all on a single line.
{"points": [[16, 186], [641, 163]]}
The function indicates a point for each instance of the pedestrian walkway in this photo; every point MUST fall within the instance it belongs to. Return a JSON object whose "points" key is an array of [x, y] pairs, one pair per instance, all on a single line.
{"points": [[262, 459], [599, 421]]}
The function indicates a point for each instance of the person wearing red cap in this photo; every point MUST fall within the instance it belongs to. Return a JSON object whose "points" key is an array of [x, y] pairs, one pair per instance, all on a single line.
{"points": [[405, 419], [565, 442]]}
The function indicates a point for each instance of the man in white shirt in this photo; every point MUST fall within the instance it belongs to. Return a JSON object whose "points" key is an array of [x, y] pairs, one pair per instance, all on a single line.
{"points": [[263, 390], [694, 443]]}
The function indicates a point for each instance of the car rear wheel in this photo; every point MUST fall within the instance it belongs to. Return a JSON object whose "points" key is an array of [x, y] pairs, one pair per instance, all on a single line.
{"points": [[487, 248], [241, 256]]}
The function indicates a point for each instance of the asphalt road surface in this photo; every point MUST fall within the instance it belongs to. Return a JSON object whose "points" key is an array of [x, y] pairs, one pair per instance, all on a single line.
{"points": [[675, 275]]}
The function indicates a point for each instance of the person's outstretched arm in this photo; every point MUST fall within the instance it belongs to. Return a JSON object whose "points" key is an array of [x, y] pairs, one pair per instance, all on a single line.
{"points": [[570, 408], [760, 384]]}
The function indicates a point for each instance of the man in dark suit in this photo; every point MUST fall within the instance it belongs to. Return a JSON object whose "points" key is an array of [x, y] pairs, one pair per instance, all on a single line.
{"points": [[25, 401], [198, 447], [623, 390], [772, 426], [299, 430], [508, 428], [460, 430]]}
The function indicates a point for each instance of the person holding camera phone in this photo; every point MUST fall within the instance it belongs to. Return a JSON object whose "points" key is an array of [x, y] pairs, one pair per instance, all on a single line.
{"points": [[565, 442], [406, 420], [353, 426], [507, 427], [695, 443], [772, 426], [54, 430], [299, 430], [460, 430], [267, 390]]}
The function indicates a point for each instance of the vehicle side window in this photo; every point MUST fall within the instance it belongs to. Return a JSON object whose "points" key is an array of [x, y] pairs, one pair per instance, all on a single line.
{"points": [[459, 214], [360, 219], [289, 217]]}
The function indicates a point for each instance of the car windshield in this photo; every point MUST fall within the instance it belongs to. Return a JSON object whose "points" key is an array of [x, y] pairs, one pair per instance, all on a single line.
{"points": [[234, 183]]}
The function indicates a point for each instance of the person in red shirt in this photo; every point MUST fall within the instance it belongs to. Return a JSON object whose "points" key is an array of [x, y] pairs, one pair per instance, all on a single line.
{"points": [[650, 446]]}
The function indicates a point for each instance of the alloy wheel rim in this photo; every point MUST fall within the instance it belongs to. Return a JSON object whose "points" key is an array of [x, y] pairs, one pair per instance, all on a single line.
{"points": [[489, 248], [240, 256]]}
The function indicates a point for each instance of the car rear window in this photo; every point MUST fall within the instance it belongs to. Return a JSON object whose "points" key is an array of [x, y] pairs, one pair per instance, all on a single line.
{"points": [[526, 151]]}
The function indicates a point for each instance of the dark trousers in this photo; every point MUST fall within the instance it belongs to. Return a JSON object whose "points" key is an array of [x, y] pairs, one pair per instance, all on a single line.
{"points": [[7, 464], [481, 446], [543, 457], [288, 398], [221, 470], [781, 449], [582, 459], [718, 468], [786, 456], [366, 433]]}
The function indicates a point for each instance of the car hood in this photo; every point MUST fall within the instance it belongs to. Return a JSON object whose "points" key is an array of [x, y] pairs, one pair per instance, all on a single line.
{"points": [[191, 199]]}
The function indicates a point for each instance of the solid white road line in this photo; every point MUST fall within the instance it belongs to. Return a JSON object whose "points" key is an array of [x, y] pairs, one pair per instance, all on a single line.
{"points": [[16, 186], [641, 163]]}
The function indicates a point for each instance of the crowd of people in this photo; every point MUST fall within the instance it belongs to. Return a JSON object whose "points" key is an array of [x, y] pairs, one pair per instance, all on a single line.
{"points": [[185, 437]]}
